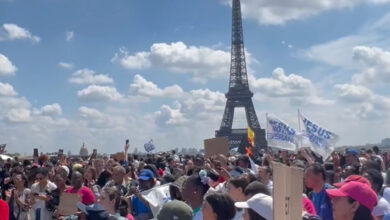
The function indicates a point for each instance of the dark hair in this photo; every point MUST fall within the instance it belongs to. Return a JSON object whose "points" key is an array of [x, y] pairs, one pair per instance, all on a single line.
{"points": [[103, 178], [329, 176], [362, 213], [123, 208], [256, 187], [372, 164], [196, 180], [254, 216], [245, 159], [239, 182], [317, 169], [214, 176], [44, 171], [375, 178], [375, 149], [222, 205]]}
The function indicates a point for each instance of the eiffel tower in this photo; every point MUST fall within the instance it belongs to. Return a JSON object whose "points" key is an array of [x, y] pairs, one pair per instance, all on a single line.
{"points": [[239, 94]]}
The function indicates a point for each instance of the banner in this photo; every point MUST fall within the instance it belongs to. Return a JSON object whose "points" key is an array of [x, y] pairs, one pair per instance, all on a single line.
{"points": [[149, 146], [320, 140], [280, 135], [157, 197]]}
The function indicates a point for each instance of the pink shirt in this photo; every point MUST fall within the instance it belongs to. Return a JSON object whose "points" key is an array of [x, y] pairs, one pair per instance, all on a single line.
{"points": [[87, 197]]}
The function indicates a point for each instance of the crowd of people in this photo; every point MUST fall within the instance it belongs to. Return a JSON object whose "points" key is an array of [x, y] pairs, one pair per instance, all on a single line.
{"points": [[350, 185]]}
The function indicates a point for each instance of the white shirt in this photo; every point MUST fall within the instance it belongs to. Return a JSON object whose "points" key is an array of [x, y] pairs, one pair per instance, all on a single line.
{"points": [[382, 208], [386, 194]]}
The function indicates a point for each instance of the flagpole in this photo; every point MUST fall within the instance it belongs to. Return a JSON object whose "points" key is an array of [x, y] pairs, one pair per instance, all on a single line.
{"points": [[300, 130]]}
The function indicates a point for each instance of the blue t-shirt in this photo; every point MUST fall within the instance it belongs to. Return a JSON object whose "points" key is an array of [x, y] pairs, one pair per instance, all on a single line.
{"points": [[322, 204], [139, 207]]}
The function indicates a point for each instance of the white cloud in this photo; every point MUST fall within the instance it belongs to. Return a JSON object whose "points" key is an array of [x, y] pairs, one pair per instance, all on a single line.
{"points": [[14, 32], [19, 115], [141, 86], [99, 93], [139, 60], [50, 110], [353, 93], [6, 66], [92, 113], [278, 12], [282, 85], [204, 100], [7, 90], [66, 65], [202, 62], [368, 104], [376, 64], [69, 36], [87, 76], [169, 116]]}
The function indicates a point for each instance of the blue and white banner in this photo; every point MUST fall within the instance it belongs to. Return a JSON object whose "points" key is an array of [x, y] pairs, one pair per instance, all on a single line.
{"points": [[280, 135], [149, 146], [320, 140]]}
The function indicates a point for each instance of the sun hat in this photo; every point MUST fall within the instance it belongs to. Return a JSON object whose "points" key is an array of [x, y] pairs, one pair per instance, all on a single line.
{"points": [[260, 203]]}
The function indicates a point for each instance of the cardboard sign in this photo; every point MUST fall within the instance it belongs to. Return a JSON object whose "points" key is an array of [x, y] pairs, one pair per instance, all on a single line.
{"points": [[287, 194], [68, 203], [216, 146]]}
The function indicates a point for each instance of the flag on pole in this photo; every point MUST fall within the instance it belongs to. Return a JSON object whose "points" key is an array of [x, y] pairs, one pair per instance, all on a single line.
{"points": [[149, 146], [2, 148], [280, 135], [319, 139], [251, 137]]}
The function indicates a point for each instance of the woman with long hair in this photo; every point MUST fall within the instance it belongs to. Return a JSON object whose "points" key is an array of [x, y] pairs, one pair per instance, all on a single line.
{"points": [[20, 200]]}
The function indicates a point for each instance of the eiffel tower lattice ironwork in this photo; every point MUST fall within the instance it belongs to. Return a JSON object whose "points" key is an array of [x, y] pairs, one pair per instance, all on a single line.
{"points": [[239, 94]]}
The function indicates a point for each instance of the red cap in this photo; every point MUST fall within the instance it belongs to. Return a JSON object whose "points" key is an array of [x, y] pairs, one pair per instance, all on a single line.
{"points": [[358, 191], [355, 178]]}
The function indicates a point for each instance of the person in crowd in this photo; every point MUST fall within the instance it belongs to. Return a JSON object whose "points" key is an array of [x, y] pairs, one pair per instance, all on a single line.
{"points": [[90, 177], [194, 189], [314, 178], [244, 162], [218, 206], [86, 194], [254, 188], [176, 188], [118, 181], [353, 201], [4, 210], [235, 189], [110, 199], [265, 175], [41, 191], [138, 204], [376, 180], [258, 207], [20, 200], [386, 189]]}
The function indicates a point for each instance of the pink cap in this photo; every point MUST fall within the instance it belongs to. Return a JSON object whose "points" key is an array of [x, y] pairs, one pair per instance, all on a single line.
{"points": [[355, 178], [358, 191]]}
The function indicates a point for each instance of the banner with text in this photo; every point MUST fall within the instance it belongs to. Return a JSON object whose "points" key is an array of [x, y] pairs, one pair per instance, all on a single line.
{"points": [[320, 140], [280, 135]]}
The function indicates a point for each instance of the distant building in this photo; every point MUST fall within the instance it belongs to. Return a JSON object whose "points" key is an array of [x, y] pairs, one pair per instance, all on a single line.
{"points": [[83, 151], [385, 142]]}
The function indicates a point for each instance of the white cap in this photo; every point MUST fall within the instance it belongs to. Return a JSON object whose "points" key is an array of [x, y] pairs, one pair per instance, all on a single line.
{"points": [[66, 169], [260, 203]]}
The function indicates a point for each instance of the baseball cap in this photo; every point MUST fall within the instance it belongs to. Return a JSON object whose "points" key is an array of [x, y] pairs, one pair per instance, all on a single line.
{"points": [[260, 203], [358, 191], [146, 174], [175, 210], [353, 152], [355, 178]]}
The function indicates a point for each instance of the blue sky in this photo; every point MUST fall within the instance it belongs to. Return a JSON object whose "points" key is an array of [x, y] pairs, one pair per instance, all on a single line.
{"points": [[101, 72]]}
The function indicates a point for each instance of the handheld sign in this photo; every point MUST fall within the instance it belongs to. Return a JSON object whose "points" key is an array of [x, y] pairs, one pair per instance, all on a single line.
{"points": [[68, 204], [216, 146], [287, 194]]}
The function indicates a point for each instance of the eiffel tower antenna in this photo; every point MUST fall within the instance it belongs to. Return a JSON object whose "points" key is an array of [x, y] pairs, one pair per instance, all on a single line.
{"points": [[239, 94]]}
